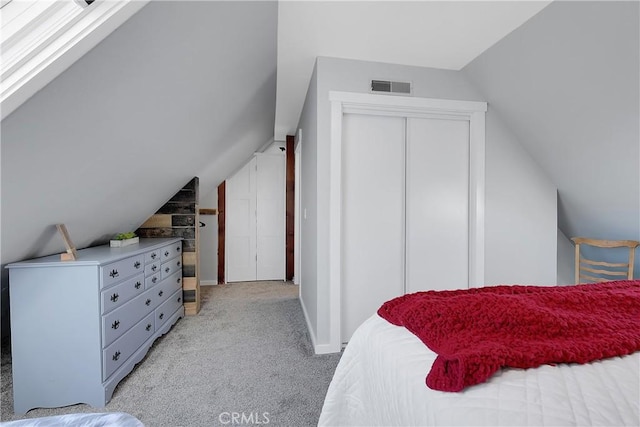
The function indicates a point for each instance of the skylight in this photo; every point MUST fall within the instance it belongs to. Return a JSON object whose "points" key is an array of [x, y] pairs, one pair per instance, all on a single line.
{"points": [[41, 38]]}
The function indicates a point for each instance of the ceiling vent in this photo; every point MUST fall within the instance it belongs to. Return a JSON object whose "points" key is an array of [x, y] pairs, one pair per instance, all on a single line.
{"points": [[386, 86]]}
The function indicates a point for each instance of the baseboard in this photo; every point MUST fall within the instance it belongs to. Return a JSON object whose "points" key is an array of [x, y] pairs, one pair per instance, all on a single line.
{"points": [[317, 348], [309, 328], [208, 282]]}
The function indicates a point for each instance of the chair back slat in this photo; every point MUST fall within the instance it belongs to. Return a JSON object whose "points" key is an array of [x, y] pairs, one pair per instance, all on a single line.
{"points": [[607, 271]]}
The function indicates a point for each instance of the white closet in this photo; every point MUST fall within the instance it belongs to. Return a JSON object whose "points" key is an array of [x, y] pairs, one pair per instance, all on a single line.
{"points": [[405, 209], [255, 220]]}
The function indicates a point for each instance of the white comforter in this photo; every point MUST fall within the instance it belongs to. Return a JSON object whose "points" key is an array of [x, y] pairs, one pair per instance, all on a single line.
{"points": [[380, 380]]}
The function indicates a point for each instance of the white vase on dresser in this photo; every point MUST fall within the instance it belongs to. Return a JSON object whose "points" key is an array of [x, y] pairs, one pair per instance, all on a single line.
{"points": [[79, 327]]}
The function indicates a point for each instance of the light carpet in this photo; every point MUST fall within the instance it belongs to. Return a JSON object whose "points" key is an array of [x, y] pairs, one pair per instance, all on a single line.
{"points": [[247, 355]]}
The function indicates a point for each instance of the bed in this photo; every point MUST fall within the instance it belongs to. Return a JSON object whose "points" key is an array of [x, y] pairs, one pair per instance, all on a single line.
{"points": [[113, 419], [380, 380]]}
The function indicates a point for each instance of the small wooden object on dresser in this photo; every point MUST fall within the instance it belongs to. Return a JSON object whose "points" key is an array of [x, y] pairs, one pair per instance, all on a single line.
{"points": [[72, 253], [79, 327]]}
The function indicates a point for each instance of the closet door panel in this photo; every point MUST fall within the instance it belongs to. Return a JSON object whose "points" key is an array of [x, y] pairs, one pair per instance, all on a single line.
{"points": [[241, 224], [437, 204], [271, 217], [372, 216]]}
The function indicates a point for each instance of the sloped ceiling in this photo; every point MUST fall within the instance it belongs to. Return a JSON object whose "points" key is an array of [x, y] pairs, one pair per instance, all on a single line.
{"points": [[436, 34], [189, 88], [568, 84], [182, 89]]}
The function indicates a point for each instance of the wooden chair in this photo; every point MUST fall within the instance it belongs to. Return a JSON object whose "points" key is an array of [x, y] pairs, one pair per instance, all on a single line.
{"points": [[603, 271]]}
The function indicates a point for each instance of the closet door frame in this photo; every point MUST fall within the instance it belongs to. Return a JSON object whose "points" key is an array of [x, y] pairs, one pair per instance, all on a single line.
{"points": [[402, 106]]}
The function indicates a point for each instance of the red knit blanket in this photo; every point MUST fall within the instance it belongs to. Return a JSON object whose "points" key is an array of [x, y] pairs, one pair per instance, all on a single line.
{"points": [[475, 332]]}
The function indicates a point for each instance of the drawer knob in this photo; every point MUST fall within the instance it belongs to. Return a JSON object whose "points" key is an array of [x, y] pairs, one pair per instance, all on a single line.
{"points": [[154, 255], [137, 264], [154, 280], [137, 285], [148, 328], [166, 253], [161, 316], [178, 248], [114, 273], [179, 299], [178, 264], [147, 302], [115, 297], [116, 355], [166, 270], [154, 267], [179, 280], [160, 293], [115, 325]]}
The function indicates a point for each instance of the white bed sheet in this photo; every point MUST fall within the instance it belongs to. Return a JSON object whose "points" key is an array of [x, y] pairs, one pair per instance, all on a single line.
{"points": [[380, 381], [107, 419]]}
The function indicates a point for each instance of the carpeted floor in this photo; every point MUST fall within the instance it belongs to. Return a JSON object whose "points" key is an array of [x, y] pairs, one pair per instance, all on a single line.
{"points": [[246, 352]]}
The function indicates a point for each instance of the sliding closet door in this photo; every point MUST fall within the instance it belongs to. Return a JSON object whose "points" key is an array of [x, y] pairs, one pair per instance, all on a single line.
{"points": [[437, 204], [373, 158]]}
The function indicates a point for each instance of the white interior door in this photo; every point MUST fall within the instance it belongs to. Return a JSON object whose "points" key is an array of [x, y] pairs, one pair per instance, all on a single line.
{"points": [[240, 230], [437, 227], [373, 244], [270, 194]]}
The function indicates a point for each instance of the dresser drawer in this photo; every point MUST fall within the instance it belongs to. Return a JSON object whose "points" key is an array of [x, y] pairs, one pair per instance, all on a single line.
{"points": [[168, 287], [119, 294], [118, 352], [115, 272], [170, 267], [171, 251], [152, 256], [167, 308], [117, 322], [152, 268], [152, 280], [175, 280]]}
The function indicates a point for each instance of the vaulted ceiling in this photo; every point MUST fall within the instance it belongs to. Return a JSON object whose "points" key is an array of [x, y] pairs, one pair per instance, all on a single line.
{"points": [[187, 89], [436, 34]]}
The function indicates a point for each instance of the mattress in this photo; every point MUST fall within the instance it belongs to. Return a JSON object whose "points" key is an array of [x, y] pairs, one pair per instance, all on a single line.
{"points": [[114, 419], [380, 381]]}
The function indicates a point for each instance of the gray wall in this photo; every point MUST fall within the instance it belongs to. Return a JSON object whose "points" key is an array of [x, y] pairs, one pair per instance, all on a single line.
{"points": [[566, 82], [308, 202], [182, 89], [520, 199], [209, 240]]}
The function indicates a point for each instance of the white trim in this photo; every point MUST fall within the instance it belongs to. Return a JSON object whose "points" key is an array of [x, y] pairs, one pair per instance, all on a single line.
{"points": [[297, 226], [34, 65], [208, 282], [472, 111], [317, 348], [476, 198], [335, 222]]}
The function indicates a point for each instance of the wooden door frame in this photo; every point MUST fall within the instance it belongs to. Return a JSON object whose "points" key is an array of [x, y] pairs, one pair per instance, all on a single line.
{"points": [[221, 231], [290, 208]]}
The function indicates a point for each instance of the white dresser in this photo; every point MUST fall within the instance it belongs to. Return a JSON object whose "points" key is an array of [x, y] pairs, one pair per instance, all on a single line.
{"points": [[79, 327]]}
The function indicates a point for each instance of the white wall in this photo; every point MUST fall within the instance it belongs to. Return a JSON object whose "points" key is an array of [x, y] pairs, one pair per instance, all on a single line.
{"points": [[521, 212], [566, 82], [515, 175], [309, 288], [566, 260], [209, 239]]}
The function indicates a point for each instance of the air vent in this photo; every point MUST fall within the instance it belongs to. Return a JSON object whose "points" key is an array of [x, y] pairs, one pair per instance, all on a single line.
{"points": [[390, 87]]}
